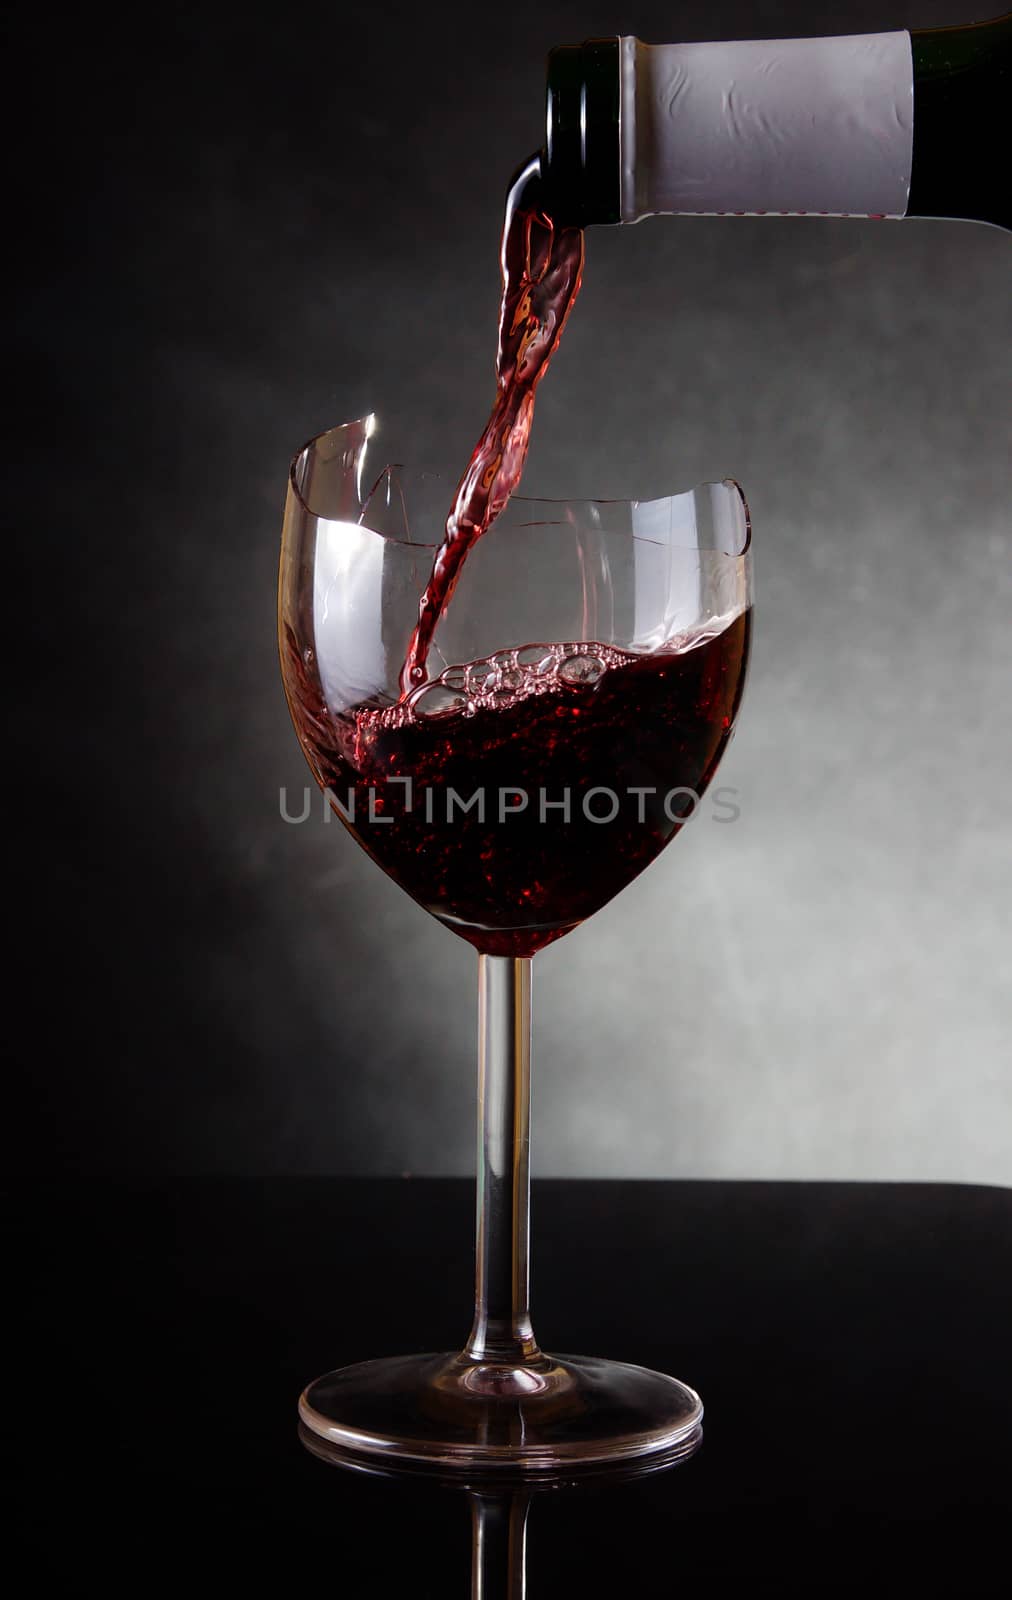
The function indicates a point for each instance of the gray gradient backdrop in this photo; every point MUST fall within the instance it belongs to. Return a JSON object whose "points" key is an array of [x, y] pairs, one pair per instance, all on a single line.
{"points": [[281, 219]]}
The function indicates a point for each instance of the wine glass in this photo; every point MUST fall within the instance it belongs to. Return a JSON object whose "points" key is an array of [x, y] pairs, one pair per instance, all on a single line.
{"points": [[582, 685]]}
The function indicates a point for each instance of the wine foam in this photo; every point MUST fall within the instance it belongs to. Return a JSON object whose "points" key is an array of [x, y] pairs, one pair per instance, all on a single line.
{"points": [[506, 678]]}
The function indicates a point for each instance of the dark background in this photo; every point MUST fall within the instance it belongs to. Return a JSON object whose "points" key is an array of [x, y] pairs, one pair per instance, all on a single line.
{"points": [[238, 226]]}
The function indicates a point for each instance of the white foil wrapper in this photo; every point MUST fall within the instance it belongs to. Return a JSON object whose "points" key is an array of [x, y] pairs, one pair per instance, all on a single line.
{"points": [[819, 126]]}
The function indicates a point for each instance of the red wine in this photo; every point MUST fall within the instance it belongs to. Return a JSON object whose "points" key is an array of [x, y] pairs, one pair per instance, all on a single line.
{"points": [[542, 266], [513, 797]]}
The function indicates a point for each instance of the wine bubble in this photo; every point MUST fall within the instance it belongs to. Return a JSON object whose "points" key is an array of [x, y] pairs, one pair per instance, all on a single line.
{"points": [[478, 674], [533, 655], [581, 669], [439, 701]]}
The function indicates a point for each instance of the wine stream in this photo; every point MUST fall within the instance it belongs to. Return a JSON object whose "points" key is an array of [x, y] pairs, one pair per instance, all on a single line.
{"points": [[542, 268]]}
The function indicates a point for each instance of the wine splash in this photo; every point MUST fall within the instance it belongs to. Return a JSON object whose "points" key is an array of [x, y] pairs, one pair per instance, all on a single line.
{"points": [[542, 268]]}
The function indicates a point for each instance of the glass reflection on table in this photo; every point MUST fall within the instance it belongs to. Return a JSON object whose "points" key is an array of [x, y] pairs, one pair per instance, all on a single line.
{"points": [[500, 1502]]}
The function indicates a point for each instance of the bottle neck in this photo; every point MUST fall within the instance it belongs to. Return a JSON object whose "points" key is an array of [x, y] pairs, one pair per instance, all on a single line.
{"points": [[581, 157], [888, 124]]}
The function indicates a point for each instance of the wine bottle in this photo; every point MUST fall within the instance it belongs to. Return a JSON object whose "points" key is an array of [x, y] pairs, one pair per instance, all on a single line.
{"points": [[884, 125]]}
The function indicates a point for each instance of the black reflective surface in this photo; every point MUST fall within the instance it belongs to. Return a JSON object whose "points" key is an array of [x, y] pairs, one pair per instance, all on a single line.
{"points": [[850, 1343]]}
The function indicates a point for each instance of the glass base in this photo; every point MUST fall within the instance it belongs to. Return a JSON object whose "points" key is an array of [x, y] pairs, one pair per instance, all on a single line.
{"points": [[449, 1411]]}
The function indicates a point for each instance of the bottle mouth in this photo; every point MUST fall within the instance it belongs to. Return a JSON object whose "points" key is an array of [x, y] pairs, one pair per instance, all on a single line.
{"points": [[581, 158]]}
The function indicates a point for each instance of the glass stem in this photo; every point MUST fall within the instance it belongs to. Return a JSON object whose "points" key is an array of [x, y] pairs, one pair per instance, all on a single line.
{"points": [[502, 1330]]}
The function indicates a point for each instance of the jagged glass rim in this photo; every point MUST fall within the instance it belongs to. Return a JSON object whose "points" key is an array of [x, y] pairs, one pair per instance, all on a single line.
{"points": [[519, 499]]}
